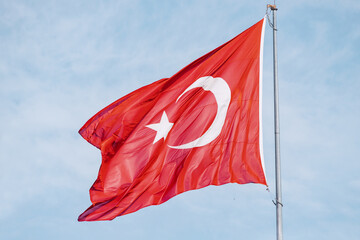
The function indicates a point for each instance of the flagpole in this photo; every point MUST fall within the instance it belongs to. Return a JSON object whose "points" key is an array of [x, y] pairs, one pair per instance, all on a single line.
{"points": [[279, 205]]}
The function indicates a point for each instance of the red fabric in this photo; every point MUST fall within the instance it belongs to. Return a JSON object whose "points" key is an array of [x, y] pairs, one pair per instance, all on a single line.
{"points": [[136, 172]]}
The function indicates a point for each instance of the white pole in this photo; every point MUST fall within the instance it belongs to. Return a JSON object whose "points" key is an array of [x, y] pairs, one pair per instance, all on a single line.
{"points": [[279, 232]]}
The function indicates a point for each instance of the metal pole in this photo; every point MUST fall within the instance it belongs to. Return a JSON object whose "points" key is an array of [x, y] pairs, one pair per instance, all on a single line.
{"points": [[279, 205]]}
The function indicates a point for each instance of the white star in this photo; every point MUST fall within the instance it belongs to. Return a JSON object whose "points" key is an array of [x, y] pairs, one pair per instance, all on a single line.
{"points": [[162, 128]]}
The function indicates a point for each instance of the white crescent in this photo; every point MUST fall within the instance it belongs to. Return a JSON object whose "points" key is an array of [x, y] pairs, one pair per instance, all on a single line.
{"points": [[222, 93]]}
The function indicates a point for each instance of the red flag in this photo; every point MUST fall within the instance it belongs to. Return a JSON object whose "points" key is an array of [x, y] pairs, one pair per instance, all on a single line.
{"points": [[198, 128]]}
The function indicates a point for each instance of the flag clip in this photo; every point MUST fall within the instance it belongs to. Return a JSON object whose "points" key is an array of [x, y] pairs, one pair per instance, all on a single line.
{"points": [[277, 202]]}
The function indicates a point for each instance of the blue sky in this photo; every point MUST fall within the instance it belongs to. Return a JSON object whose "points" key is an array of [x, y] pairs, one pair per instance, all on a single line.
{"points": [[61, 62]]}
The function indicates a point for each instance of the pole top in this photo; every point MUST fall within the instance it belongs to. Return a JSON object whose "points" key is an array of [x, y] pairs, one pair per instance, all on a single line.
{"points": [[272, 7]]}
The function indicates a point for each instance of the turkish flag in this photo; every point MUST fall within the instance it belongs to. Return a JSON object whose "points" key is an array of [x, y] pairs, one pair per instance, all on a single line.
{"points": [[200, 127]]}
